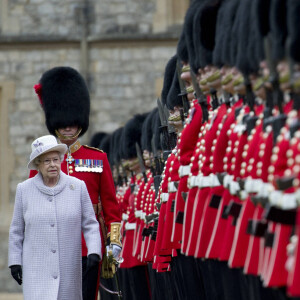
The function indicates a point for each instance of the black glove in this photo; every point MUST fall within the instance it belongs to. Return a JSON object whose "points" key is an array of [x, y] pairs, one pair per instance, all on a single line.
{"points": [[92, 261], [16, 273]]}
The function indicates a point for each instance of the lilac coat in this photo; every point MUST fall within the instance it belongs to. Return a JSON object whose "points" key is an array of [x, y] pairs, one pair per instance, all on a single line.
{"points": [[45, 237]]}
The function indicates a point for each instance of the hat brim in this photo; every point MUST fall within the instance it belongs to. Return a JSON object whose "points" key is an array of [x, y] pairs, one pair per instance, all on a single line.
{"points": [[61, 148]]}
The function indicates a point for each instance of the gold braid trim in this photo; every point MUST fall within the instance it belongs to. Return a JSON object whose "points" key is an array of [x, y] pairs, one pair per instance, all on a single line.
{"points": [[115, 234], [63, 137]]}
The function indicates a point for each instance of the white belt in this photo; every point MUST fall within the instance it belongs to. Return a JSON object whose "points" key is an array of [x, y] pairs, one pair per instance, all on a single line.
{"points": [[204, 181], [227, 180], [243, 195], [193, 181], [289, 201], [253, 185], [234, 187], [171, 187], [265, 190], [164, 197], [143, 215], [283, 201], [130, 226], [124, 217], [214, 180], [275, 198], [138, 213], [184, 170]]}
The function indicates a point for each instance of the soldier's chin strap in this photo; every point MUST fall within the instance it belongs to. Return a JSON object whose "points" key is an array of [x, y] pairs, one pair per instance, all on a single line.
{"points": [[63, 137]]}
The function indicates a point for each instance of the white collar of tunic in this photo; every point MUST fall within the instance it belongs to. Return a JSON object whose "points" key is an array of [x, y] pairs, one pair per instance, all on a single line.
{"points": [[52, 191]]}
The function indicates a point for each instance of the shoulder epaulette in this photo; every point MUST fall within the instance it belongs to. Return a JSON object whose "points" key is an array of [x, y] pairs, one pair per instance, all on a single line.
{"points": [[93, 148]]}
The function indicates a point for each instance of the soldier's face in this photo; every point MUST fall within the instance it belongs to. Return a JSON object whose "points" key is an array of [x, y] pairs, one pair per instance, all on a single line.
{"points": [[227, 78], [146, 157], [284, 75], [68, 132], [186, 78]]}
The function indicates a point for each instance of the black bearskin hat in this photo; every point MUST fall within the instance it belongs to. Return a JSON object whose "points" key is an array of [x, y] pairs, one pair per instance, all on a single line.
{"points": [[147, 132], [168, 78], [65, 99], [114, 155], [182, 51], [278, 27], [293, 29], [156, 130], [205, 20], [132, 134], [105, 144], [173, 98], [97, 138]]}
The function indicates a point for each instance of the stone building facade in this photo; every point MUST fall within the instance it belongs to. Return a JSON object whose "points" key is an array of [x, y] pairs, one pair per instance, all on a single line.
{"points": [[120, 46]]}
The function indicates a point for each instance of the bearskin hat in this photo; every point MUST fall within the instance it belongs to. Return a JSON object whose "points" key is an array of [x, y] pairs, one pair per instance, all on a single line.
{"points": [[156, 130], [147, 132], [168, 78], [65, 99], [105, 144], [114, 155], [182, 51], [97, 138], [205, 20], [132, 134], [278, 27], [243, 34], [293, 29], [173, 98]]}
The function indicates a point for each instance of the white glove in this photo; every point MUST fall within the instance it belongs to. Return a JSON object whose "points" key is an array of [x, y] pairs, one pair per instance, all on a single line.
{"points": [[116, 250]]}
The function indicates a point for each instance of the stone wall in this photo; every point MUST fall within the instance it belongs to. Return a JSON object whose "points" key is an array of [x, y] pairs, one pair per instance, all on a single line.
{"points": [[63, 18]]}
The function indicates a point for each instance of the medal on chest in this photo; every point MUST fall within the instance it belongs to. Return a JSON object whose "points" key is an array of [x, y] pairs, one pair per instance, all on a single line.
{"points": [[89, 165], [69, 161]]}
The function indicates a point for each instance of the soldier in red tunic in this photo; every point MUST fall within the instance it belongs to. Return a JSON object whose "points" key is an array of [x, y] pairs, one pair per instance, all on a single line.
{"points": [[65, 99]]}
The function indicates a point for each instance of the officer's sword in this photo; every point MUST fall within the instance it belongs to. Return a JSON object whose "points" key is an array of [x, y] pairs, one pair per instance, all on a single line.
{"points": [[112, 260]]}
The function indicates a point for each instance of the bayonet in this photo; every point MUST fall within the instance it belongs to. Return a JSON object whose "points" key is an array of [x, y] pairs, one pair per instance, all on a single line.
{"points": [[183, 92]]}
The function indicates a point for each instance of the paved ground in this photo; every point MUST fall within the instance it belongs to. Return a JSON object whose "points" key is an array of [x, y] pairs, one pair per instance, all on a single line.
{"points": [[6, 296]]}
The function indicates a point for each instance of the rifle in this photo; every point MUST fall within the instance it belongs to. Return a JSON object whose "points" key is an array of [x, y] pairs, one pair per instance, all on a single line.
{"points": [[141, 161], [183, 93]]}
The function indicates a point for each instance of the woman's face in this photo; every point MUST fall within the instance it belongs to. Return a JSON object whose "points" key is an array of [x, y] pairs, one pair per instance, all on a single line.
{"points": [[50, 165]]}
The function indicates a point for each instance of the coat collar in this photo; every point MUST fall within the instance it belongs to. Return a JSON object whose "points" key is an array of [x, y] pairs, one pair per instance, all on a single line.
{"points": [[52, 191], [74, 147]]}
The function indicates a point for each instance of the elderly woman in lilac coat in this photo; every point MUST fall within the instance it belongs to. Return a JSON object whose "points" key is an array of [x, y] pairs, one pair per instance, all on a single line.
{"points": [[51, 210]]}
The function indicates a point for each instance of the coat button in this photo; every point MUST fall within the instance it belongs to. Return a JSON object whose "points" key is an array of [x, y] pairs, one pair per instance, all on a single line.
{"points": [[55, 277], [50, 199], [52, 225], [53, 251]]}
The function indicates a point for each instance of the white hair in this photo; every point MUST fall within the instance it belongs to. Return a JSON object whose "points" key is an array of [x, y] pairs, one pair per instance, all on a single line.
{"points": [[38, 159]]}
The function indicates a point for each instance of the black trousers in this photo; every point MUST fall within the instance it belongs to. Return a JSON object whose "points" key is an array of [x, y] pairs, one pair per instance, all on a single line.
{"points": [[90, 281], [135, 283]]}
